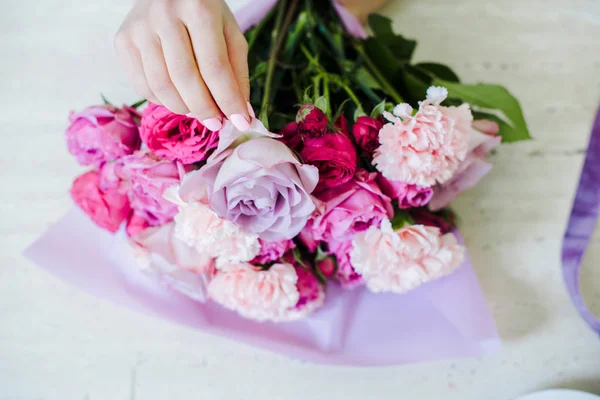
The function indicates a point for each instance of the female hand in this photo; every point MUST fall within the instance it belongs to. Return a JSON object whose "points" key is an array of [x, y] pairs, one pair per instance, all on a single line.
{"points": [[190, 56]]}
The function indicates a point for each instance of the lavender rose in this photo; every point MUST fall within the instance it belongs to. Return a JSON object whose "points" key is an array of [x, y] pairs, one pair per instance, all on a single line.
{"points": [[259, 185]]}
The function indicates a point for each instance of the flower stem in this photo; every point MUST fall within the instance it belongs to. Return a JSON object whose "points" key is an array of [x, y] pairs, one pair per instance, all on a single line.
{"points": [[276, 37], [385, 84]]}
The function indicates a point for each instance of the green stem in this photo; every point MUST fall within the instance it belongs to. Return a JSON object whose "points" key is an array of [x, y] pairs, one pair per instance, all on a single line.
{"points": [[277, 37], [387, 86], [326, 94], [272, 60]]}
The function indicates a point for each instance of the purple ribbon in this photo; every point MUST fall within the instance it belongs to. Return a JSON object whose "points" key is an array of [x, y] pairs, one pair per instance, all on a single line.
{"points": [[582, 222]]}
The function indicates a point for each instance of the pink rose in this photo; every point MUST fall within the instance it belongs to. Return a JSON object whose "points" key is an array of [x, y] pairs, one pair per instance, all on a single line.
{"points": [[399, 261], [345, 272], [472, 169], [426, 148], [335, 157], [176, 137], [349, 208], [272, 251], [259, 185], [149, 177], [408, 196], [160, 254], [366, 133], [102, 133], [107, 208], [312, 122]]}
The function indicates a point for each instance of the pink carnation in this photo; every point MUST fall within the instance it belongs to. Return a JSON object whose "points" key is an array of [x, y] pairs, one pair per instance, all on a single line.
{"points": [[399, 261], [425, 148], [201, 228], [255, 293], [176, 137], [272, 251], [160, 254], [102, 133], [482, 140]]}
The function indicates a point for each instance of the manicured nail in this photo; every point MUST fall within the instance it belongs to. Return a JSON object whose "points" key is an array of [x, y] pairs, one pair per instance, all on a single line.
{"points": [[240, 122], [213, 124], [250, 110]]}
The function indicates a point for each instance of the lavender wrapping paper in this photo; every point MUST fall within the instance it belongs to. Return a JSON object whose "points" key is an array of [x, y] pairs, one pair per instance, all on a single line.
{"points": [[447, 318], [583, 219]]}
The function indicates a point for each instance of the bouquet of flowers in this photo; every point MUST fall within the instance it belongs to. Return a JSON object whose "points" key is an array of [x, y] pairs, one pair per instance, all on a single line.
{"points": [[341, 184]]}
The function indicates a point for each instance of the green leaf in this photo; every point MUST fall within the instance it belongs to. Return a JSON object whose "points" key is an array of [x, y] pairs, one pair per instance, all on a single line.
{"points": [[380, 25], [321, 104], [139, 103], [378, 110], [401, 219], [364, 77], [359, 113], [436, 70], [105, 100], [493, 97], [401, 48]]}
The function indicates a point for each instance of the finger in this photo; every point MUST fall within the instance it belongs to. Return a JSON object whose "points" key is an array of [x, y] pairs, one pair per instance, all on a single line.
{"points": [[210, 50], [185, 75], [131, 60], [157, 75], [237, 51]]}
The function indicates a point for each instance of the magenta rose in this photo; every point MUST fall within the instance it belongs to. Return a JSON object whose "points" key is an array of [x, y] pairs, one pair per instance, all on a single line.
{"points": [[366, 133], [272, 251], [291, 137], [107, 208], [335, 157], [309, 288], [345, 272], [312, 122], [176, 137], [258, 184], [408, 196], [149, 177], [348, 209], [102, 133]]}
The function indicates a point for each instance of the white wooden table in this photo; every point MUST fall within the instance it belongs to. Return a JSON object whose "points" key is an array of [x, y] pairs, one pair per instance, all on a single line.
{"points": [[57, 343]]}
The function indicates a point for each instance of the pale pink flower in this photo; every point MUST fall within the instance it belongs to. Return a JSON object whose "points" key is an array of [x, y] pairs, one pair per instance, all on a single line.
{"points": [[475, 166], [399, 261], [425, 148], [201, 228], [161, 255], [255, 293]]}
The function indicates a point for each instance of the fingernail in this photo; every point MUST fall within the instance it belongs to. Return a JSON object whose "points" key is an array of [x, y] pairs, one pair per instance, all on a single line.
{"points": [[240, 122], [213, 124], [250, 110]]}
